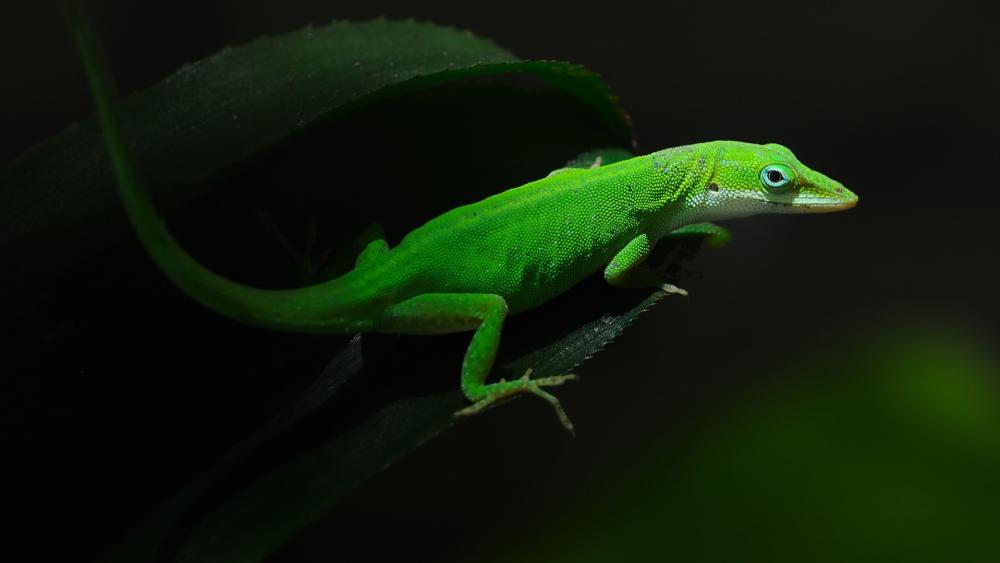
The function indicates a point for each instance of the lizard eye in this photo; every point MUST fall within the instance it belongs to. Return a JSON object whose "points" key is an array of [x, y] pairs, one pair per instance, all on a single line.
{"points": [[775, 177]]}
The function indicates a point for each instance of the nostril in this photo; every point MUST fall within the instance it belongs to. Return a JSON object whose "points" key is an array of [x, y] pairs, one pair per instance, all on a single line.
{"points": [[840, 190], [713, 187]]}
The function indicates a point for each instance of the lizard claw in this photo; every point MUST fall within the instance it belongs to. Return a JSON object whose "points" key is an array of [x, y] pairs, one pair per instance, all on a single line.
{"points": [[673, 289]]}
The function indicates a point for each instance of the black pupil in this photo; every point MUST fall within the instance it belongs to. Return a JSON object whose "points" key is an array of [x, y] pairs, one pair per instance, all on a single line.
{"points": [[775, 176]]}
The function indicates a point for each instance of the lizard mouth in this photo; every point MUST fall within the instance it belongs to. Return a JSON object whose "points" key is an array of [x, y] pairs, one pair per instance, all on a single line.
{"points": [[814, 198], [816, 205]]}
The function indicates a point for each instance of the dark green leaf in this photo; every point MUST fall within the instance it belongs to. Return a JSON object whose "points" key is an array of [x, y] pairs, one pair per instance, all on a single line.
{"points": [[57, 204], [246, 521]]}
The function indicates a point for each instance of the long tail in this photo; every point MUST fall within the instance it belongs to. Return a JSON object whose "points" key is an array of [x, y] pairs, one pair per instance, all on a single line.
{"points": [[309, 309]]}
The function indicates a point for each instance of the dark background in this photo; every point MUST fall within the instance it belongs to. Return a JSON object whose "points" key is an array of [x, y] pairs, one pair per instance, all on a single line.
{"points": [[897, 101]]}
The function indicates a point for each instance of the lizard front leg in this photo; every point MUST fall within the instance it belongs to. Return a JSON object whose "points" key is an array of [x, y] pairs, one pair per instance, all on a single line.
{"points": [[711, 233], [440, 313], [627, 270]]}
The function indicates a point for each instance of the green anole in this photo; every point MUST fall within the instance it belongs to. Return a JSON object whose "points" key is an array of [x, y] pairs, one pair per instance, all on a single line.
{"points": [[470, 268]]}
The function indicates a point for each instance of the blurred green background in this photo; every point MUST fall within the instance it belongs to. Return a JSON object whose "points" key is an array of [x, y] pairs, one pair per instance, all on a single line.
{"points": [[883, 449]]}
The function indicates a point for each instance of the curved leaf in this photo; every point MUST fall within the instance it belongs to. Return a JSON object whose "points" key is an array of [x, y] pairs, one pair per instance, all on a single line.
{"points": [[56, 200], [246, 515]]}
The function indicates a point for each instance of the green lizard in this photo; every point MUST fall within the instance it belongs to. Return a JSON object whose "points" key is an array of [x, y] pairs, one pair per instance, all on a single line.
{"points": [[467, 269]]}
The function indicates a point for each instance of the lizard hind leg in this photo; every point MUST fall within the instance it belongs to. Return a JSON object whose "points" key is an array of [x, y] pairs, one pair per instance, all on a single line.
{"points": [[439, 313]]}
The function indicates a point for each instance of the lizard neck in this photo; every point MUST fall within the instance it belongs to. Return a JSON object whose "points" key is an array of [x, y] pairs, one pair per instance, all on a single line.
{"points": [[678, 172]]}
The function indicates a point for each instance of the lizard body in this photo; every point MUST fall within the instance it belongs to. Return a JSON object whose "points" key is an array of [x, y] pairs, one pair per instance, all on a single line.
{"points": [[470, 267]]}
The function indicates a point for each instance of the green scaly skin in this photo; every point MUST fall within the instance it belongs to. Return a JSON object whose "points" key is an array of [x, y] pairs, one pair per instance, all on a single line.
{"points": [[467, 269]]}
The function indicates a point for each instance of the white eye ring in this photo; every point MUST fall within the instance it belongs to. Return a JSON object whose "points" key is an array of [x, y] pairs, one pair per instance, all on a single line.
{"points": [[774, 176]]}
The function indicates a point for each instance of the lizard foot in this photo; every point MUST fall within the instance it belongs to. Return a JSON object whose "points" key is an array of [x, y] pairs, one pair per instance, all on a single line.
{"points": [[490, 395]]}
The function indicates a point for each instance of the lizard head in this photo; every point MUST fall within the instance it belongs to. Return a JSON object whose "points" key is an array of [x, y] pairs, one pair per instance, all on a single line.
{"points": [[748, 179]]}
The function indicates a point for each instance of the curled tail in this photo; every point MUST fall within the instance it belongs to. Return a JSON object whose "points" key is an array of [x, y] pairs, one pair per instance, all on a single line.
{"points": [[309, 309]]}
